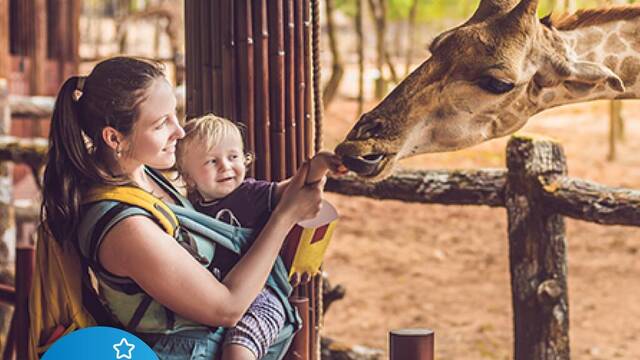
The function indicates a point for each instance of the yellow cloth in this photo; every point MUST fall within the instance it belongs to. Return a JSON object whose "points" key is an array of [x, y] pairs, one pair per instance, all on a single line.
{"points": [[55, 301]]}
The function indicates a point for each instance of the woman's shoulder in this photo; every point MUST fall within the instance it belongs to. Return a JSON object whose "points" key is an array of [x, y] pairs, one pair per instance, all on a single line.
{"points": [[98, 218]]}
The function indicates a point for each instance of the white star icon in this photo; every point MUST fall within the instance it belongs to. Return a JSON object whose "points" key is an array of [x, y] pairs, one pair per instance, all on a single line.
{"points": [[125, 354]]}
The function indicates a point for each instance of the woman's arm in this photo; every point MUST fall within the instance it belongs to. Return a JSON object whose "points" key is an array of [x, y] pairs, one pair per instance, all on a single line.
{"points": [[138, 248]]}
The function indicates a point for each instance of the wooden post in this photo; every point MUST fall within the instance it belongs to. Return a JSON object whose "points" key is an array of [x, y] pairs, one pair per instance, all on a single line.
{"points": [[537, 252], [411, 344], [7, 214], [5, 56], [39, 54]]}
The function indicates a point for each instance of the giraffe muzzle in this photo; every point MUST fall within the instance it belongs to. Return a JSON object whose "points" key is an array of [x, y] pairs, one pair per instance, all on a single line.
{"points": [[367, 165]]}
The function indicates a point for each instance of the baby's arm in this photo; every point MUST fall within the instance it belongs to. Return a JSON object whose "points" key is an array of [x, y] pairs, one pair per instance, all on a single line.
{"points": [[321, 163]]}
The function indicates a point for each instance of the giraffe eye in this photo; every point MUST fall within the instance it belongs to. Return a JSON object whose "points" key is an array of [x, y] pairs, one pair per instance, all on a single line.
{"points": [[493, 85]]}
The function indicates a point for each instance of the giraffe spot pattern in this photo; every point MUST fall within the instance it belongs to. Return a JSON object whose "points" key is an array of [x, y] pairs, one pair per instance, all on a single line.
{"points": [[591, 56], [629, 71], [627, 96], [548, 97], [614, 44], [588, 41], [631, 33], [611, 62], [578, 89]]}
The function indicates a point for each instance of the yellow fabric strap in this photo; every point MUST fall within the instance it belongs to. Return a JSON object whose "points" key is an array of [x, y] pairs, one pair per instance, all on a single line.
{"points": [[140, 198]]}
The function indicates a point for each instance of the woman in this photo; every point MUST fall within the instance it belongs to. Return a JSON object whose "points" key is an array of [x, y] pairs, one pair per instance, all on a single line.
{"points": [[112, 128]]}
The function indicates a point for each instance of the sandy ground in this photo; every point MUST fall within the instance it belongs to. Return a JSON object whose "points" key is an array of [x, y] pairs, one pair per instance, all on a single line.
{"points": [[446, 267]]}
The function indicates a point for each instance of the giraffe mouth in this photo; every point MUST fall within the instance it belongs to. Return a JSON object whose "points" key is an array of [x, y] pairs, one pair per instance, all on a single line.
{"points": [[368, 166]]}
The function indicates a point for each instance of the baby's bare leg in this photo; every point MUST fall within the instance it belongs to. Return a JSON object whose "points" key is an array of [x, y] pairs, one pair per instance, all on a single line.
{"points": [[237, 352]]}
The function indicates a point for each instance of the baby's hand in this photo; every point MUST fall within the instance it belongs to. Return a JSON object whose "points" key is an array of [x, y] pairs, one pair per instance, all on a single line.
{"points": [[330, 161]]}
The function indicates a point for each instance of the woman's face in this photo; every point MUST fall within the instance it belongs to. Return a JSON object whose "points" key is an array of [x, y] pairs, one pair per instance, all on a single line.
{"points": [[153, 139]]}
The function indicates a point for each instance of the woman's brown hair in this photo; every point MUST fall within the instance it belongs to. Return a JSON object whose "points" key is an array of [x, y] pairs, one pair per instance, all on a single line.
{"points": [[76, 160]]}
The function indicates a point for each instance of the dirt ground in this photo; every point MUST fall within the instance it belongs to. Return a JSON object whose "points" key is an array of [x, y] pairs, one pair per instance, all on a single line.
{"points": [[446, 267]]}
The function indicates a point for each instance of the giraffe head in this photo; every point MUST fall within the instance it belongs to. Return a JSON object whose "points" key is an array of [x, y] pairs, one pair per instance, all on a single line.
{"points": [[484, 79]]}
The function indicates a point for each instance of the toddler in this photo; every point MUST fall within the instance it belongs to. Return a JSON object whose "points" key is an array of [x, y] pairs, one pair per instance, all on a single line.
{"points": [[212, 161]]}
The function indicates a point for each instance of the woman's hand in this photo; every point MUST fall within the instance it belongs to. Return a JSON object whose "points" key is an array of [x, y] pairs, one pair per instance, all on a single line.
{"points": [[299, 201]]}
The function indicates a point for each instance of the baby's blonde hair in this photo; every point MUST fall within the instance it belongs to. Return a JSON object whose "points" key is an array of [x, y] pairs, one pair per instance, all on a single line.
{"points": [[208, 130]]}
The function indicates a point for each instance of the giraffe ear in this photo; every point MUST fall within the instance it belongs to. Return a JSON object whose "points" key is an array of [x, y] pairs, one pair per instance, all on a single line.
{"points": [[594, 73]]}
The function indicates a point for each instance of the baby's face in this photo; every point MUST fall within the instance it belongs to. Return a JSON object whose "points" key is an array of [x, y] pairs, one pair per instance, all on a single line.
{"points": [[217, 172]]}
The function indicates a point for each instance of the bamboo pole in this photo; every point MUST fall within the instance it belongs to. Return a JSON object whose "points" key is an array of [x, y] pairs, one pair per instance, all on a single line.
{"points": [[190, 40], [39, 54], [245, 84], [199, 54], [62, 28], [25, 263], [74, 35], [216, 57], [7, 213], [263, 116], [308, 104], [300, 347], [204, 73], [228, 60], [276, 57], [290, 89], [317, 94], [300, 83], [5, 55]]}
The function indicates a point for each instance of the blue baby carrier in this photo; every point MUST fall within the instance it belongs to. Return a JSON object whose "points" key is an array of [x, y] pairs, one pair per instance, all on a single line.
{"points": [[215, 244]]}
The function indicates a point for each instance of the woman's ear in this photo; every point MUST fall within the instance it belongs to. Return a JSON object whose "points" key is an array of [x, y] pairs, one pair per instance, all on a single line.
{"points": [[112, 137]]}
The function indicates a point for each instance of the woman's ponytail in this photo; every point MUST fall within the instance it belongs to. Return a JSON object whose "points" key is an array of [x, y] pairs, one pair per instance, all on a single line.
{"points": [[68, 164]]}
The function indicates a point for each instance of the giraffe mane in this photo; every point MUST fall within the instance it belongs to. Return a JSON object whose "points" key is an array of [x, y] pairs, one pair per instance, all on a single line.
{"points": [[590, 17]]}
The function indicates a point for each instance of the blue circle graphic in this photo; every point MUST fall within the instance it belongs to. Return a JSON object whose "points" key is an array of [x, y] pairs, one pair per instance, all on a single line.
{"points": [[100, 343]]}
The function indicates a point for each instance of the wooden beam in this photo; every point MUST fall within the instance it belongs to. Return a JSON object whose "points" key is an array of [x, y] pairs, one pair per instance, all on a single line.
{"points": [[465, 187]]}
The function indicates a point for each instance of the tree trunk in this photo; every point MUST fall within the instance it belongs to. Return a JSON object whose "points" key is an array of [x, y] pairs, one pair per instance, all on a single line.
{"points": [[337, 68], [537, 252], [413, 11], [379, 24], [360, 42]]}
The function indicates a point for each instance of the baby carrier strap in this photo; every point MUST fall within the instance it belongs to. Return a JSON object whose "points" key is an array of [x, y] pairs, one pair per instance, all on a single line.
{"points": [[140, 198]]}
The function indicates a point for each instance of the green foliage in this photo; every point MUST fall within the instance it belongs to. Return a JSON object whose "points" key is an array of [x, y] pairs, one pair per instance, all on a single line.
{"points": [[430, 11]]}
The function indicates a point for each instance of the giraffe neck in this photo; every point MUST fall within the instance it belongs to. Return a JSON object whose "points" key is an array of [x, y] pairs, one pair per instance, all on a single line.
{"points": [[616, 45]]}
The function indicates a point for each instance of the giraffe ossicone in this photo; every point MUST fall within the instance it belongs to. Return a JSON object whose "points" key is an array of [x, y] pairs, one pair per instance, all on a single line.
{"points": [[486, 77]]}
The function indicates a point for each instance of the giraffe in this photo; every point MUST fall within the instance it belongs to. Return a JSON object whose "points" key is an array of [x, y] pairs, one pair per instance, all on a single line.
{"points": [[486, 77]]}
